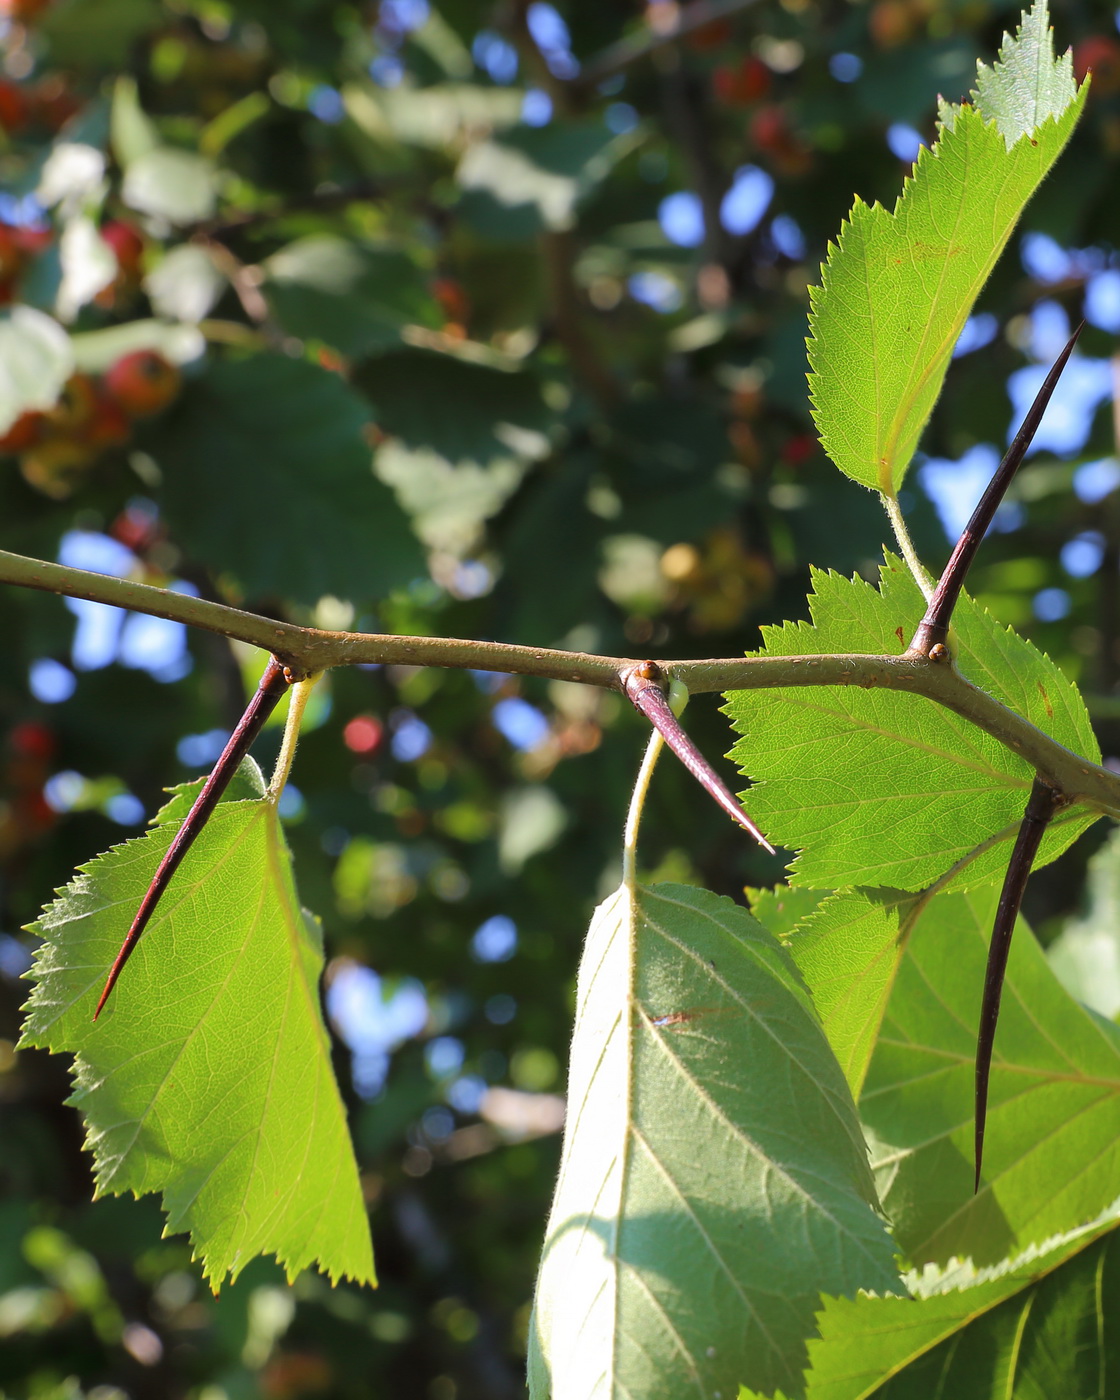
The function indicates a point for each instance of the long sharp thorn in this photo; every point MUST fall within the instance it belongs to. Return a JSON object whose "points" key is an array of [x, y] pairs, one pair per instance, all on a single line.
{"points": [[1043, 802], [643, 688], [272, 686], [934, 627]]}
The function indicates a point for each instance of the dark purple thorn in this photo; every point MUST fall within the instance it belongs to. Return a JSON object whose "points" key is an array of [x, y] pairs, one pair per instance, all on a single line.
{"points": [[934, 627], [643, 686], [1043, 802], [273, 684]]}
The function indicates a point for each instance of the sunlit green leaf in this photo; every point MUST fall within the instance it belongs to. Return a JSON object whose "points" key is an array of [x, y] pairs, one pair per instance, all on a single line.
{"points": [[1040, 1325], [1052, 1151], [171, 184], [354, 297], [208, 1077], [848, 951], [883, 788], [898, 287], [1086, 954], [36, 359], [700, 1209]]}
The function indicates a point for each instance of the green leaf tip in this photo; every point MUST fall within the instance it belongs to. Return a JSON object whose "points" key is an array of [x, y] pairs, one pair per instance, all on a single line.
{"points": [[897, 287], [1027, 85], [208, 1079]]}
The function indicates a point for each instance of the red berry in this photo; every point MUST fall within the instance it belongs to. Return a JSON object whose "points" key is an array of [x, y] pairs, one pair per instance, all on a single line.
{"points": [[143, 383], [14, 106], [108, 425], [1099, 54], [126, 242], [32, 739], [740, 85], [24, 432], [363, 734]]}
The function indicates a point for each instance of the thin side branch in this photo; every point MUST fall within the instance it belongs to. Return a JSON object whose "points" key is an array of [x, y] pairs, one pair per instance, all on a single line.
{"points": [[272, 686], [1043, 803], [680, 20], [933, 630]]}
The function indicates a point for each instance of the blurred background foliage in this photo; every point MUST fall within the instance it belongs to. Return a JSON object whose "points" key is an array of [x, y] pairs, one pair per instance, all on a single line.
{"points": [[486, 320]]}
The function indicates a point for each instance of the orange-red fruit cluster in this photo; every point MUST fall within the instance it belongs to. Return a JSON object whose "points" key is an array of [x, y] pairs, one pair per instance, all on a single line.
{"points": [[1099, 54], [48, 103], [23, 11], [56, 448], [741, 84], [127, 243]]}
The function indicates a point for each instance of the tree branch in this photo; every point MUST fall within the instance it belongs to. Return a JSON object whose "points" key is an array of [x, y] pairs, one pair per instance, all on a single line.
{"points": [[305, 650], [686, 19]]}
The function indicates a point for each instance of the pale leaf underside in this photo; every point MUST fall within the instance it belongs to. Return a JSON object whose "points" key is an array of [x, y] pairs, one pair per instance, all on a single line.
{"points": [[713, 1176]]}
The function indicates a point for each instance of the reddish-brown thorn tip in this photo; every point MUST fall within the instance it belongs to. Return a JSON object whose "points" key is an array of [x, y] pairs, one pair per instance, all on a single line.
{"points": [[273, 684], [1043, 802], [643, 686], [934, 627]]}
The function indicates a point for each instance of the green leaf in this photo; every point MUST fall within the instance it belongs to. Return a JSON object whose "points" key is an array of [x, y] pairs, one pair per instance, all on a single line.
{"points": [[354, 297], [784, 908], [885, 788], [266, 474], [132, 133], [478, 404], [1052, 1151], [171, 184], [898, 287], [36, 359], [1028, 86], [532, 178], [702, 1205], [185, 284], [1086, 954], [1041, 1324], [95, 351], [847, 950], [95, 33], [208, 1077]]}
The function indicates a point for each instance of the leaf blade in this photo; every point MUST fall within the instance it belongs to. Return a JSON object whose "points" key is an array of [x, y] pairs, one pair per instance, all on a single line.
{"points": [[722, 1175], [208, 1031], [931, 786], [1054, 1101], [897, 287]]}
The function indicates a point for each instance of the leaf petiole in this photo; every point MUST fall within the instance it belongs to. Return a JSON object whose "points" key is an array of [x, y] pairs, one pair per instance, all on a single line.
{"points": [[301, 694]]}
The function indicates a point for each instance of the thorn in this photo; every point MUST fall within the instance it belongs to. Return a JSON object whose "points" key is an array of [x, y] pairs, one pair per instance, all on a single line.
{"points": [[934, 627], [642, 685], [1043, 802], [272, 686]]}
